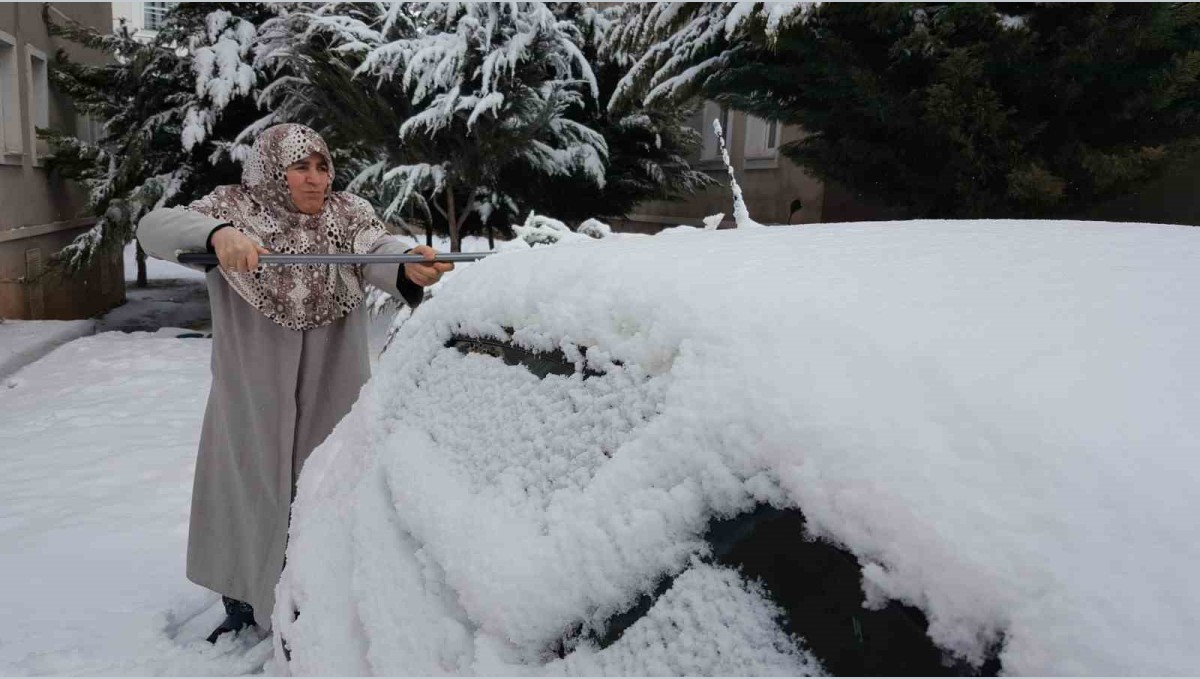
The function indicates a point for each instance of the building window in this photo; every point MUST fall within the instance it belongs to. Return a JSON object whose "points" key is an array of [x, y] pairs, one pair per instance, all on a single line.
{"points": [[762, 137], [39, 97], [713, 111], [39, 87], [153, 14], [11, 139], [88, 129]]}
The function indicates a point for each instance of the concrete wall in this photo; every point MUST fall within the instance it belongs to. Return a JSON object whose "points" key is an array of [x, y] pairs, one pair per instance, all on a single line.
{"points": [[39, 212], [53, 296]]}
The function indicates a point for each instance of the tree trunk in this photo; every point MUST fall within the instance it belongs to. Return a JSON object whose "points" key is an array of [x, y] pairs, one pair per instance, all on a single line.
{"points": [[429, 233], [491, 238], [455, 243], [142, 282]]}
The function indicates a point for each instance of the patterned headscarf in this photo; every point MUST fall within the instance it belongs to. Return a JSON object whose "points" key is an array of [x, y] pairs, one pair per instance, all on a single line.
{"points": [[296, 296]]}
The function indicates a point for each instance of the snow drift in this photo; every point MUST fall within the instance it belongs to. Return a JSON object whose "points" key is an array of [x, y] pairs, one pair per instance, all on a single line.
{"points": [[997, 419]]}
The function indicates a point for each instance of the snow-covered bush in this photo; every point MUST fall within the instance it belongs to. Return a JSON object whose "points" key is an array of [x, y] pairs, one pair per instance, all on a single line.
{"points": [[543, 230], [594, 228]]}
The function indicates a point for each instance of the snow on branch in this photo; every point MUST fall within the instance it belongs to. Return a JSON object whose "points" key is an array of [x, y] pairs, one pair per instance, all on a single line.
{"points": [[414, 181], [220, 68], [675, 46], [223, 73], [740, 213]]}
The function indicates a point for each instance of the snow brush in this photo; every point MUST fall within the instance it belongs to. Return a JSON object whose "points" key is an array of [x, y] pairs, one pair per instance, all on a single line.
{"points": [[208, 258]]}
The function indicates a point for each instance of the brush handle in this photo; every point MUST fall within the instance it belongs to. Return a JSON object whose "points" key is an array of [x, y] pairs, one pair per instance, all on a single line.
{"points": [[206, 258]]}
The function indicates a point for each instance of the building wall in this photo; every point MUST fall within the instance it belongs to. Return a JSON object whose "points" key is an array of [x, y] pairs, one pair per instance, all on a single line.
{"points": [[39, 212], [53, 296]]}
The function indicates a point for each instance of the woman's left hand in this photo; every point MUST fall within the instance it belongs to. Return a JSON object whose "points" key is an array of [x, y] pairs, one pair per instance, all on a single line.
{"points": [[425, 275]]}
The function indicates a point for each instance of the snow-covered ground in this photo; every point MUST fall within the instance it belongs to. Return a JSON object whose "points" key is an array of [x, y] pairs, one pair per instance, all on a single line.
{"points": [[176, 297], [97, 447], [997, 418], [23, 342], [98, 444]]}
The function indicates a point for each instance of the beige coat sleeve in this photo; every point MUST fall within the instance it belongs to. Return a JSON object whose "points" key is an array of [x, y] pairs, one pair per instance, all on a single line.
{"points": [[390, 277], [168, 232]]}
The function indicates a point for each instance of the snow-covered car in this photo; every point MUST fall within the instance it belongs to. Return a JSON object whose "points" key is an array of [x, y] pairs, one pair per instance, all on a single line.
{"points": [[930, 447]]}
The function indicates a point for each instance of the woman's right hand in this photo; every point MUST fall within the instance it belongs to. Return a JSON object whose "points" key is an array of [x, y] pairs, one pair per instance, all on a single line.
{"points": [[236, 251]]}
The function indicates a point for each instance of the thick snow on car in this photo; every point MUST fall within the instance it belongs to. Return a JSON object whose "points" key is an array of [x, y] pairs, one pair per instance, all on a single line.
{"points": [[915, 447]]}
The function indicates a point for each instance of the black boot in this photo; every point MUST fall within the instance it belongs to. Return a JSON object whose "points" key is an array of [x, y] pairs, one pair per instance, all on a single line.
{"points": [[238, 615]]}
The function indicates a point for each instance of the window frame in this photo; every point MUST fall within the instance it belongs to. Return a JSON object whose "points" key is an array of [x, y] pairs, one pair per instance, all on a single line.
{"points": [[759, 153], [758, 143], [12, 134], [87, 128], [158, 10], [37, 87]]}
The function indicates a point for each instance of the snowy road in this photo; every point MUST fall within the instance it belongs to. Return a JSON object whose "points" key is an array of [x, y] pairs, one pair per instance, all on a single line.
{"points": [[97, 447]]}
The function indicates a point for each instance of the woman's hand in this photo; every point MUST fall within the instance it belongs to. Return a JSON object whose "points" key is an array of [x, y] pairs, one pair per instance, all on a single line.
{"points": [[426, 275], [236, 251]]}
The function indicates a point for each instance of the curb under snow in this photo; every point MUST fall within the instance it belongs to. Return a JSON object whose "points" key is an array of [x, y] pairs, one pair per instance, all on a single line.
{"points": [[23, 342]]}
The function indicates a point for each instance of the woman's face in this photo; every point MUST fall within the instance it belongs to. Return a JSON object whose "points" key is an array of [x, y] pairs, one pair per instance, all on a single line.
{"points": [[307, 180]]}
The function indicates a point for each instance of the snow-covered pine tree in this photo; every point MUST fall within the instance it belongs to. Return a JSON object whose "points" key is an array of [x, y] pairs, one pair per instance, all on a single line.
{"points": [[222, 37], [647, 145], [944, 109], [313, 55], [118, 170], [968, 110], [306, 51], [454, 97], [165, 107]]}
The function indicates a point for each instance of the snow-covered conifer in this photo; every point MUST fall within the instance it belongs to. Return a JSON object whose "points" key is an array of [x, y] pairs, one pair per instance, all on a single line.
{"points": [[484, 89], [501, 106], [166, 107], [648, 145], [672, 48]]}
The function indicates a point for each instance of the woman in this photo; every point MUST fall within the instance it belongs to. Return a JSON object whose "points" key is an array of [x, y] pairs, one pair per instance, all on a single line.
{"points": [[289, 350]]}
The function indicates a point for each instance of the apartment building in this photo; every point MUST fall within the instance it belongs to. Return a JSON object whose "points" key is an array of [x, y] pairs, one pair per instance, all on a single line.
{"points": [[39, 212]]}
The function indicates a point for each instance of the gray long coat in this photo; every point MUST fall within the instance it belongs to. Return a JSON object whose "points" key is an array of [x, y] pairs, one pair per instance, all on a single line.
{"points": [[276, 394]]}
